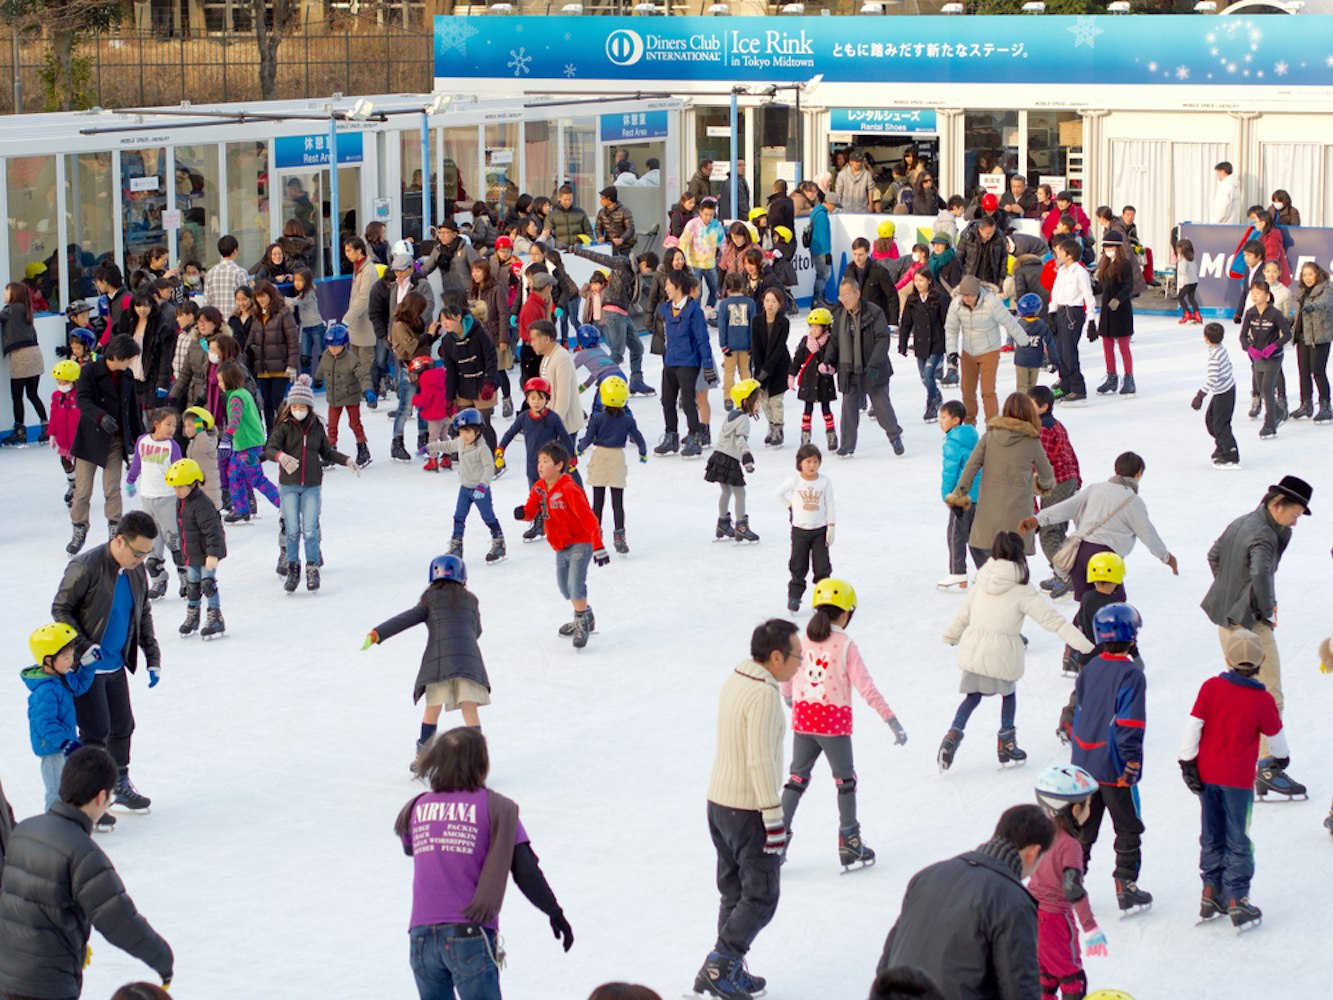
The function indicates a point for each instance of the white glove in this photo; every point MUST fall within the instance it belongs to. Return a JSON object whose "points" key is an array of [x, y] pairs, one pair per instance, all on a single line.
{"points": [[291, 374], [356, 469], [828, 535], [289, 463], [91, 656]]}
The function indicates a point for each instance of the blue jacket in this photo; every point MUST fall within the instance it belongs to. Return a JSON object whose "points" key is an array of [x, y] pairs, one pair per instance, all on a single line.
{"points": [[821, 232], [686, 336], [1111, 715], [537, 432], [51, 718], [606, 430], [958, 445], [1033, 356], [735, 313]]}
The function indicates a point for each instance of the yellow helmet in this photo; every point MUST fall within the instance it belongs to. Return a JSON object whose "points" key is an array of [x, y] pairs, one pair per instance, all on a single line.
{"points": [[742, 390], [50, 639], [201, 416], [783, 233], [1109, 995], [605, 272], [1106, 567], [66, 371], [820, 317], [379, 270], [184, 472], [583, 239], [838, 593], [614, 391], [758, 212], [886, 229], [1009, 268]]}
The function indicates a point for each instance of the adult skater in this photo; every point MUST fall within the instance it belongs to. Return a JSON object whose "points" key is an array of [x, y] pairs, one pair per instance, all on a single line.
{"points": [[968, 923], [860, 354], [104, 597], [745, 806], [1244, 562]]}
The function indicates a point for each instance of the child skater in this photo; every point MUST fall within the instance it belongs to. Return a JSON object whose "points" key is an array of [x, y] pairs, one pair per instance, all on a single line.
{"points": [[476, 469], [1221, 386], [1106, 580], [203, 544], [452, 675], [154, 452], [1187, 283], [1030, 358], [960, 438], [594, 359], [1264, 332], [987, 632], [609, 431], [808, 497], [539, 426], [202, 445], [735, 317], [433, 406], [65, 419], [346, 378], [53, 684], [771, 358], [730, 456], [1064, 792], [301, 447], [811, 377], [572, 531], [820, 696], [246, 431]]}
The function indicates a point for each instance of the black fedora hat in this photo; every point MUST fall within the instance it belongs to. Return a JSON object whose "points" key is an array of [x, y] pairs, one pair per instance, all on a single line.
{"points": [[1295, 489]]}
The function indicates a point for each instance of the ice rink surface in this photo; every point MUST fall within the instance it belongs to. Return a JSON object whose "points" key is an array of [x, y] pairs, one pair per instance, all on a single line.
{"points": [[277, 757]]}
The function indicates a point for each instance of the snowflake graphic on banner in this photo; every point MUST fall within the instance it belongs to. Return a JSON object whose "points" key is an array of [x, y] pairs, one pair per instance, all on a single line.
{"points": [[571, 70], [520, 62], [454, 33], [1085, 32]]}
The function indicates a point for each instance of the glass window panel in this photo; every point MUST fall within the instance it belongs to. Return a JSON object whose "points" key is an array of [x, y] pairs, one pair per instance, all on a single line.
{"points": [[349, 196], [303, 201], [501, 168], [990, 145], [410, 198], [1052, 136], [197, 200], [143, 197], [777, 148], [32, 225], [461, 185], [541, 158], [247, 200], [714, 147], [581, 162], [89, 203]]}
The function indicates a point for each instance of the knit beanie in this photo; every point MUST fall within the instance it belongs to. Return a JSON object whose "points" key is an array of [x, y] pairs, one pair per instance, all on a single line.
{"points": [[300, 393]]}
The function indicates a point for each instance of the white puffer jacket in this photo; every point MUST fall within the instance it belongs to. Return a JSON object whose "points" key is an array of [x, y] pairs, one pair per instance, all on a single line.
{"points": [[986, 630]]}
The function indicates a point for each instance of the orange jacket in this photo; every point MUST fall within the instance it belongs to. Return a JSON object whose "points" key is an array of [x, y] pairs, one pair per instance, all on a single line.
{"points": [[564, 506]]}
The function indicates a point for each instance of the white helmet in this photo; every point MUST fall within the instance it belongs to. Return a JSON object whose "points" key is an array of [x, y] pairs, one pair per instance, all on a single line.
{"points": [[1063, 784]]}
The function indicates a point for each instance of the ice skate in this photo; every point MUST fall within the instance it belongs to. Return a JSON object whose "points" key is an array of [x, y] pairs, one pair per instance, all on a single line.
{"points": [[312, 577], [158, 574], [1268, 431], [831, 437], [293, 575], [362, 455], [456, 547], [932, 409], [422, 746], [1211, 905], [1273, 778], [1131, 898], [215, 627], [18, 437], [721, 976], [535, 530], [950, 377], [669, 445], [399, 452], [107, 824], [237, 518], [1061, 588], [1328, 821], [853, 854], [1226, 462], [128, 799], [1303, 412], [582, 629], [1110, 385], [638, 387], [954, 581], [1128, 388], [1050, 583], [793, 604], [724, 528], [1256, 406], [191, 623], [805, 436], [948, 748], [1006, 749], [1324, 414], [622, 546], [778, 436], [743, 532], [1069, 667], [77, 539], [896, 443], [1245, 916], [507, 408], [692, 447], [497, 552], [567, 629]]}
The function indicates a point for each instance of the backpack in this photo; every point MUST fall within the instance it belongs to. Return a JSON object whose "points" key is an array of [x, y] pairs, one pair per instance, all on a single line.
{"points": [[808, 237], [1139, 283]]}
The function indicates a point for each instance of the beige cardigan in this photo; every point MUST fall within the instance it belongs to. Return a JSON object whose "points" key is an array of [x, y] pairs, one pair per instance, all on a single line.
{"points": [[747, 769], [558, 369]]}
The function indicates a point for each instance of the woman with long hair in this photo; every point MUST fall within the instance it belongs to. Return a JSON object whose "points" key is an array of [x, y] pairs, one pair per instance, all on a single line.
{"points": [[486, 301], [25, 359], [1312, 330], [1115, 277], [274, 348]]}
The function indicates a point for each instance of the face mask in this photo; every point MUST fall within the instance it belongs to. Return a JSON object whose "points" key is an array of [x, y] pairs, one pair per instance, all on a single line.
{"points": [[64, 386], [214, 357], [300, 412], [193, 280], [1109, 252]]}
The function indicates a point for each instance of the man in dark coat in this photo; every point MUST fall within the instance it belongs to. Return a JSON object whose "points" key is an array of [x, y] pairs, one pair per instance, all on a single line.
{"points": [[1244, 561], [59, 885], [969, 924], [874, 280], [983, 252], [104, 597], [861, 354], [110, 422], [387, 294]]}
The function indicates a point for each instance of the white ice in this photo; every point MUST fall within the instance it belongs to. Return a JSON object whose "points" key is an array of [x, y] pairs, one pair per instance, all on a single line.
{"points": [[277, 757]]}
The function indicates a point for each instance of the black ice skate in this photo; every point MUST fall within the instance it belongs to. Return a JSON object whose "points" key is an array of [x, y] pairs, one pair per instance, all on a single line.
{"points": [[535, 531], [191, 623], [743, 532], [724, 528], [567, 629], [669, 445], [948, 747], [127, 798], [215, 627], [1109, 386], [621, 545], [1006, 749], [398, 452], [1245, 916], [1272, 778], [1211, 905], [312, 576], [293, 577], [582, 628], [722, 976], [1131, 898], [497, 552], [853, 854], [76, 541], [693, 446], [158, 574], [363, 455], [1328, 821], [1128, 388], [107, 824]]}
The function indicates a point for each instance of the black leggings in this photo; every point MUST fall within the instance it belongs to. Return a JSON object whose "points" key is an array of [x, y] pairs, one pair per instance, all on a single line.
{"points": [[824, 404], [1188, 298], [1312, 364], [17, 388], [617, 504], [503, 379]]}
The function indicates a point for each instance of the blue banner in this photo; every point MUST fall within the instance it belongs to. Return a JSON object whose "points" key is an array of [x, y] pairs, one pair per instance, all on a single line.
{"points": [[313, 150], [1168, 49], [634, 125], [890, 121], [1216, 246]]}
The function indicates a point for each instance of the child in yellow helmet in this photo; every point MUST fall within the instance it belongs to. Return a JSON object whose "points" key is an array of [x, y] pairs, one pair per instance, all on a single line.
{"points": [[65, 419], [811, 376], [203, 544], [730, 457], [1105, 574], [53, 683]]}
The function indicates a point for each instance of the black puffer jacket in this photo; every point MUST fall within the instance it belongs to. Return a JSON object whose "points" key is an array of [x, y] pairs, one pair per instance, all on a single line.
{"points": [[308, 443], [84, 603], [923, 324], [622, 286], [989, 260], [453, 626], [200, 527], [100, 393], [384, 301], [275, 343], [58, 885], [1244, 562]]}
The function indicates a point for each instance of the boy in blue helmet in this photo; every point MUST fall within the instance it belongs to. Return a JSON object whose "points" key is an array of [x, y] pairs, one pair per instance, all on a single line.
{"points": [[1029, 359], [1107, 742]]}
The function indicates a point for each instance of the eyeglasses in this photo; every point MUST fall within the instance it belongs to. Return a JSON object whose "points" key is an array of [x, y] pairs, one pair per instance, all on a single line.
{"points": [[139, 553], [793, 656]]}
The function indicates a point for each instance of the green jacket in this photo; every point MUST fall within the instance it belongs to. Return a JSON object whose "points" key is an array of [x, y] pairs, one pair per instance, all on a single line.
{"points": [[248, 432]]}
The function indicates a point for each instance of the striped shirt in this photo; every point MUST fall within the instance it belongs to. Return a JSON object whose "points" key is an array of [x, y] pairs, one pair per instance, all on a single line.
{"points": [[1220, 376]]}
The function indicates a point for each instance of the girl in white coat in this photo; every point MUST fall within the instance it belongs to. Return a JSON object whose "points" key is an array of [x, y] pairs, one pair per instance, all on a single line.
{"points": [[987, 632]]}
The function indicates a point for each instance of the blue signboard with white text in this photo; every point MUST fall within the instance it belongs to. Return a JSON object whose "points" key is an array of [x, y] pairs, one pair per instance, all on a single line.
{"points": [[1275, 51], [889, 121], [634, 125], [313, 150]]}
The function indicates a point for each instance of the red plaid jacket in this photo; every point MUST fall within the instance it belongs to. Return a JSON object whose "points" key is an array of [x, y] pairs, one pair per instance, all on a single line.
{"points": [[1055, 441]]}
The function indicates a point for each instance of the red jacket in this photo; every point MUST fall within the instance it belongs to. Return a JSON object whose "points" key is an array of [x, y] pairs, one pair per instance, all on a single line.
{"points": [[1233, 711], [430, 398], [64, 421], [1274, 250], [1082, 224], [569, 519], [1055, 442], [534, 308]]}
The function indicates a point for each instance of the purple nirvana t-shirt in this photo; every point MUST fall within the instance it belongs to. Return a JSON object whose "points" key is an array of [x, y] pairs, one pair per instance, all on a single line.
{"points": [[449, 835]]}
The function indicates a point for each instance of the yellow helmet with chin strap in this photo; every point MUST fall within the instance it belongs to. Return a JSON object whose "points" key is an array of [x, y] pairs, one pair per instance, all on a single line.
{"points": [[1106, 567], [758, 212], [66, 371], [184, 473], [50, 640], [886, 229], [742, 391], [838, 593], [820, 317]]}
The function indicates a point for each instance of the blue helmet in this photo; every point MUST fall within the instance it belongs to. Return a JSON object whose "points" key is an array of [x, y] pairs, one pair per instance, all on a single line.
{"points": [[1029, 304], [471, 417], [1116, 623], [85, 334], [587, 335], [448, 568], [335, 335]]}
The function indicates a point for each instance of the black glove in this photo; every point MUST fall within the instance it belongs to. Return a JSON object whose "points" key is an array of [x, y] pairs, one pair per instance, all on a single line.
{"points": [[108, 423], [953, 360], [519, 513], [1197, 402], [601, 558], [1189, 770], [563, 932], [1282, 763], [761, 377], [63, 351], [1092, 331]]}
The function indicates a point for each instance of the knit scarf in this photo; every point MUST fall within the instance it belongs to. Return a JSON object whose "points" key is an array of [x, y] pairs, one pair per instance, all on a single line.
{"points": [[1129, 482], [1001, 850], [815, 344], [939, 261]]}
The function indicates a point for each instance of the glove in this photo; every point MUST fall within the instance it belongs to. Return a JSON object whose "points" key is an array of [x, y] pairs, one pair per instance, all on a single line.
{"points": [[959, 501], [1094, 944], [166, 984], [69, 746], [372, 400], [573, 461], [563, 932], [161, 393], [710, 377], [479, 493], [372, 638], [487, 391], [1131, 776], [583, 387], [87, 955], [871, 375], [131, 489], [108, 423], [1268, 351], [1113, 305], [63, 351], [1254, 353], [91, 655], [513, 321], [775, 838], [499, 458], [791, 382], [1092, 331], [519, 513], [1282, 763], [899, 733], [291, 374], [1197, 402], [356, 469], [289, 463], [747, 461], [828, 532], [953, 360], [154, 675], [643, 460], [827, 370], [558, 313], [208, 586], [726, 352], [601, 558], [1189, 771]]}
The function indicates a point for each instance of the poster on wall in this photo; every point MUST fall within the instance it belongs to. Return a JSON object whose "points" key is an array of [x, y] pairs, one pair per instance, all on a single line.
{"points": [[1214, 246]]}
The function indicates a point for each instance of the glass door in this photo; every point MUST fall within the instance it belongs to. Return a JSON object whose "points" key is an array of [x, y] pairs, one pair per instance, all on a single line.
{"points": [[143, 175]]}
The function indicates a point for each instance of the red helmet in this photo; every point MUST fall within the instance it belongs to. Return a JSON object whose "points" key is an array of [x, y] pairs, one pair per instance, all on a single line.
{"points": [[538, 384], [419, 364], [989, 203], [504, 243], [516, 267]]}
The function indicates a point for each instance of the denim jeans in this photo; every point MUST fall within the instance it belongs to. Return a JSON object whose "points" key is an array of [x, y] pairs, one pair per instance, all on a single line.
{"points": [[823, 268], [312, 346], [620, 335], [707, 276], [300, 516], [569, 318], [53, 765], [1226, 856], [196, 574], [571, 571], [748, 880], [406, 390], [930, 369], [380, 369], [446, 963], [466, 498]]}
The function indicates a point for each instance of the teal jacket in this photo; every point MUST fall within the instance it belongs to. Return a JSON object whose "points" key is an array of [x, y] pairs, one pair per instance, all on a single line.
{"points": [[958, 445]]}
